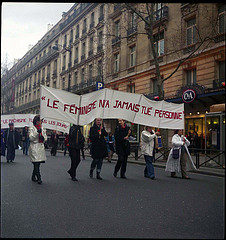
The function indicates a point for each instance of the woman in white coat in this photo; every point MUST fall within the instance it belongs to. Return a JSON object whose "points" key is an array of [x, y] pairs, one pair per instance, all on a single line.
{"points": [[37, 136], [184, 161], [147, 148]]}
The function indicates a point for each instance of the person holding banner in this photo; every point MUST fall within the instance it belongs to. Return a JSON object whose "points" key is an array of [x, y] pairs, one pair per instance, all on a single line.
{"points": [[98, 147], [148, 137], [37, 153], [25, 139], [179, 158], [12, 140], [122, 133], [76, 142]]}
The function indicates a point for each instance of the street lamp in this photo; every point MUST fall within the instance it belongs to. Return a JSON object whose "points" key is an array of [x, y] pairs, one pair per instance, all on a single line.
{"points": [[69, 65]]}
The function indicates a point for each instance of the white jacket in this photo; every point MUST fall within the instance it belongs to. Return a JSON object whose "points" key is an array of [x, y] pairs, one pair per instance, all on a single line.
{"points": [[173, 165], [147, 142], [36, 150]]}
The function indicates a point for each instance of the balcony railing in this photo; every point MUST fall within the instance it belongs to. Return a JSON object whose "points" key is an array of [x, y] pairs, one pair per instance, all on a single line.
{"points": [[132, 30], [159, 14], [217, 82], [116, 39]]}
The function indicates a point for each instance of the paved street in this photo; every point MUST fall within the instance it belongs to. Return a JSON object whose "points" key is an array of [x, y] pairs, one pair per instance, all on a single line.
{"points": [[112, 208]]}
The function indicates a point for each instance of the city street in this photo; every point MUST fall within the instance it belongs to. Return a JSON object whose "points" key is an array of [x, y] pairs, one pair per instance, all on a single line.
{"points": [[136, 207]]}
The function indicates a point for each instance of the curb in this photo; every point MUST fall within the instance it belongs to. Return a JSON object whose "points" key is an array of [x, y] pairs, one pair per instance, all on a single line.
{"points": [[163, 166]]}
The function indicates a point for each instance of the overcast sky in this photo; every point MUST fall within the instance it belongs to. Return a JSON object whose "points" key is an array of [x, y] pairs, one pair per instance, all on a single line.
{"points": [[26, 23]]}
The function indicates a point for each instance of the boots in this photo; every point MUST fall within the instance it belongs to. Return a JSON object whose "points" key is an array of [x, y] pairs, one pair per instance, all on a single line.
{"points": [[39, 177], [91, 173], [33, 178], [98, 176]]}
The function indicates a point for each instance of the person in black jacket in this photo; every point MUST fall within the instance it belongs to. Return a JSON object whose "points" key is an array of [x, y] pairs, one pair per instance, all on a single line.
{"points": [[98, 146], [54, 141], [12, 140], [122, 133], [25, 139], [76, 142]]}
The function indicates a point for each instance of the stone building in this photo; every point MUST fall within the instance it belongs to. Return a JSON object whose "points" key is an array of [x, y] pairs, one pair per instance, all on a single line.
{"points": [[106, 42]]}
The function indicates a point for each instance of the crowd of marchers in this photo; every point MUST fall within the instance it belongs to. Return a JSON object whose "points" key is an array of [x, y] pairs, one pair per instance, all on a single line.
{"points": [[102, 145]]}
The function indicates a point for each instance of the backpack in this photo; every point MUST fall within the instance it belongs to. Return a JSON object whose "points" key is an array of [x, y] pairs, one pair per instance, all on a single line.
{"points": [[76, 139]]}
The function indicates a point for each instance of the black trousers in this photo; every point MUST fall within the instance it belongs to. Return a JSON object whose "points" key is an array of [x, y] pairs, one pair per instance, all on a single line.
{"points": [[97, 162], [10, 153], [36, 171], [121, 163], [54, 150], [75, 160]]}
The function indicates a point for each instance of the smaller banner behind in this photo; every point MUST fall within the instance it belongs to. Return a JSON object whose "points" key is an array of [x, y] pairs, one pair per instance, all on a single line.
{"points": [[22, 120]]}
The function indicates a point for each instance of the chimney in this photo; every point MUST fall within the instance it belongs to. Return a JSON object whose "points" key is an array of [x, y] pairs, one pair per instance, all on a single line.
{"points": [[49, 26]]}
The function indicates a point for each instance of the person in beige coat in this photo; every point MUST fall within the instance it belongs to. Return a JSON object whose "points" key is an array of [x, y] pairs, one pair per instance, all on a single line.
{"points": [[147, 148], [37, 136]]}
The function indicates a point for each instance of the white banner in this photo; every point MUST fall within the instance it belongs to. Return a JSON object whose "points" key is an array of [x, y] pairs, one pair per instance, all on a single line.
{"points": [[22, 120], [109, 104]]}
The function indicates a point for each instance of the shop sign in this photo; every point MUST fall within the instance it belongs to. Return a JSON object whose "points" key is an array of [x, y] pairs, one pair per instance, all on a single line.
{"points": [[188, 96]]}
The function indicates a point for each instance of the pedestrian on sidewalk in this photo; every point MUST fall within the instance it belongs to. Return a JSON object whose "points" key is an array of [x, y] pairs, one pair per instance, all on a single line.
{"points": [[122, 133], [54, 141], [12, 140], [179, 157], [98, 147], [37, 136], [76, 142], [148, 137], [110, 140], [25, 139], [3, 142], [66, 143]]}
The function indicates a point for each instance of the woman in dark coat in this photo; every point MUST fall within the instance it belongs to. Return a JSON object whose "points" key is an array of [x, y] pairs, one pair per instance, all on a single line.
{"points": [[2, 142], [122, 133], [76, 142], [98, 146], [12, 138]]}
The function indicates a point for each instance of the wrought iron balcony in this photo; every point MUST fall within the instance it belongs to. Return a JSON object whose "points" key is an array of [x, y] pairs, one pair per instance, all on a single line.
{"points": [[218, 82], [162, 14], [116, 40], [132, 30]]}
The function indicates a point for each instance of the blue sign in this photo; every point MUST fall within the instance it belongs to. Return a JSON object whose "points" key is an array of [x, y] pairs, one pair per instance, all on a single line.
{"points": [[159, 142], [99, 85]]}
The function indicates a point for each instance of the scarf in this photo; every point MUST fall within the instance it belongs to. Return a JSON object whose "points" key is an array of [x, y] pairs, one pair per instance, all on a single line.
{"points": [[40, 134]]}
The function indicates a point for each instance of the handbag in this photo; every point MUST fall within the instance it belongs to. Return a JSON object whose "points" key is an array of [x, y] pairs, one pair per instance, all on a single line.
{"points": [[175, 154]]}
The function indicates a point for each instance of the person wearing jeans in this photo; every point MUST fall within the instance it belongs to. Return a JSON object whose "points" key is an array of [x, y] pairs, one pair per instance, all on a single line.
{"points": [[147, 148]]}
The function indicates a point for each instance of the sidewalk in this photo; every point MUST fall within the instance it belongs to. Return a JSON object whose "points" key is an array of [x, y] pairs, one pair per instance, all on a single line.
{"points": [[214, 171]]}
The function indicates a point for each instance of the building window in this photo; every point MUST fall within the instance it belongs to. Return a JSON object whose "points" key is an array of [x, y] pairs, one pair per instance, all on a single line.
{"points": [[90, 71], [221, 16], [222, 71], [82, 75], [132, 56], [101, 10], [64, 62], [91, 44], [191, 31], [77, 32], [99, 69], [55, 65], [54, 84], [116, 62], [191, 77], [92, 18], [84, 48], [34, 95], [100, 38], [84, 26], [65, 40], [159, 44], [131, 88], [71, 36], [76, 53], [154, 86], [133, 20], [76, 77], [117, 28], [63, 83]]}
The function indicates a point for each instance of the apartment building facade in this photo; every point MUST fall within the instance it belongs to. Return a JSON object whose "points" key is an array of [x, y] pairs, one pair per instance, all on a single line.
{"points": [[105, 42]]}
